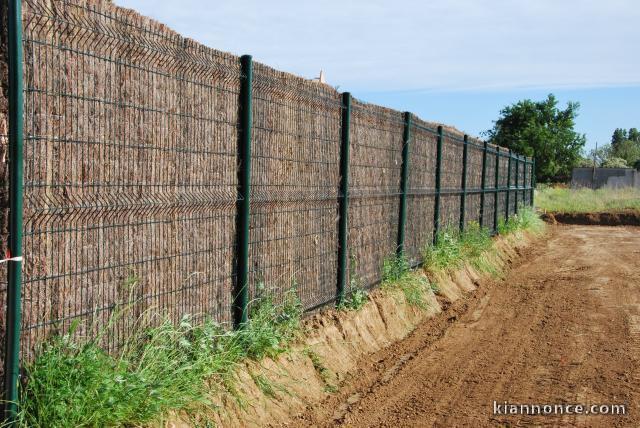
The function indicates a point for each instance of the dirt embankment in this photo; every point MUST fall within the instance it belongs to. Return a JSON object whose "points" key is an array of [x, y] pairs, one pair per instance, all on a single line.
{"points": [[564, 327], [621, 218], [337, 345]]}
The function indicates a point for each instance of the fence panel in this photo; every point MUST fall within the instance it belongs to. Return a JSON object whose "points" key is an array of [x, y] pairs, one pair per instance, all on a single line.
{"points": [[512, 193], [420, 189], [452, 151], [374, 179], [294, 190], [527, 193], [474, 181], [131, 178], [502, 184], [489, 198], [522, 184], [130, 172]]}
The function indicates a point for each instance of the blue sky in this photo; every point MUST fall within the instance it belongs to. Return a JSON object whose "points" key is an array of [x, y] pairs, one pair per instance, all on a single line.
{"points": [[457, 62]]}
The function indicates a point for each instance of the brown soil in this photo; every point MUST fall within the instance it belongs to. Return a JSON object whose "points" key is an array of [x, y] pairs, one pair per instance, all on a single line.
{"points": [[622, 218], [564, 327]]}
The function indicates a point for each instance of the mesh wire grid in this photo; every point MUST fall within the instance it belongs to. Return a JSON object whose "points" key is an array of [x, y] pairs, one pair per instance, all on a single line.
{"points": [[420, 189], [131, 177], [295, 181], [130, 172], [474, 181], [374, 180], [451, 180]]}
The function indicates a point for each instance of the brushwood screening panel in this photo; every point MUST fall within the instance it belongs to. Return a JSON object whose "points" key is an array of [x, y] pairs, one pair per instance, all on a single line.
{"points": [[420, 189], [294, 189], [131, 159], [375, 170], [130, 172]]}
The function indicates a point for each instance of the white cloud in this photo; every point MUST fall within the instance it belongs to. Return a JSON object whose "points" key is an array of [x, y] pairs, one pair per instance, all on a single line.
{"points": [[442, 44]]}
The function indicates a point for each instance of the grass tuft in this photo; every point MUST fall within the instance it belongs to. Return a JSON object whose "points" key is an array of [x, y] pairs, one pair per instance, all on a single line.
{"points": [[474, 245], [397, 274], [162, 368], [526, 219], [453, 248], [324, 373], [356, 296]]}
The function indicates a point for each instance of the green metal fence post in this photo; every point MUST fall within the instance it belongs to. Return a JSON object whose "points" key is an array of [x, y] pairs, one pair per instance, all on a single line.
{"points": [[241, 292], [463, 195], [343, 198], [508, 198], [495, 194], [402, 218], [16, 189], [483, 184], [436, 209], [517, 177]]}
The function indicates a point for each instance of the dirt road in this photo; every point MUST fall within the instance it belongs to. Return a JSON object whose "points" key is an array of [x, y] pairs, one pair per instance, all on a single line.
{"points": [[564, 327]]}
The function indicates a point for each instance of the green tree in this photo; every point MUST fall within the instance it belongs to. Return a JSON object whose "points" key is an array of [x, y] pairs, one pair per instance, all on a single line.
{"points": [[628, 150], [634, 135], [619, 135], [614, 162], [584, 162], [541, 129]]}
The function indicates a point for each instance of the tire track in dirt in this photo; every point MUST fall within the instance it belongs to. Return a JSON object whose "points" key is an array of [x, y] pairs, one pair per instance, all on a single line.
{"points": [[563, 327]]}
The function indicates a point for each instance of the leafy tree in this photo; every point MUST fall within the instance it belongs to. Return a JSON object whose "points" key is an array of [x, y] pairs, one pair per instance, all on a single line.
{"points": [[584, 163], [614, 162], [541, 129], [626, 145], [628, 150], [619, 135]]}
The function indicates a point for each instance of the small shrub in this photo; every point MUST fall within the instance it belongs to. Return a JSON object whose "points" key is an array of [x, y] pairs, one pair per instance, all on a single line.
{"points": [[446, 253], [355, 298], [395, 268], [270, 326]]}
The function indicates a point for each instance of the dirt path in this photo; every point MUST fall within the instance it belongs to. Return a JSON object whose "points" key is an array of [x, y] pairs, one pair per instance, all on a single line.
{"points": [[563, 328]]}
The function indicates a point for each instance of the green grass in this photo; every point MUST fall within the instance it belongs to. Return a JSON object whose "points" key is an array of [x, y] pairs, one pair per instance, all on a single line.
{"points": [[324, 373], [454, 248], [587, 200], [526, 219], [356, 295], [475, 245], [354, 299], [162, 368], [397, 274]]}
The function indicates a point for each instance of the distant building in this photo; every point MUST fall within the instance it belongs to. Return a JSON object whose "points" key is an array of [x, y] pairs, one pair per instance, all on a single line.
{"points": [[595, 178]]}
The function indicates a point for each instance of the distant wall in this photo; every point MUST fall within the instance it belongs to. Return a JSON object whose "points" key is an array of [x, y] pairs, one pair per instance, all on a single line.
{"points": [[604, 177]]}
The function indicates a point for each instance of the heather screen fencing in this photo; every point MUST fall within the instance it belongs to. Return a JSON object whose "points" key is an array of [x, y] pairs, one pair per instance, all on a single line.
{"points": [[161, 175]]}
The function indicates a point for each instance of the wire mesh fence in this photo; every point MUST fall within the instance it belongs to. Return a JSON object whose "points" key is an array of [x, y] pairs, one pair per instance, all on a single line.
{"points": [[374, 176], [294, 188], [131, 178]]}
